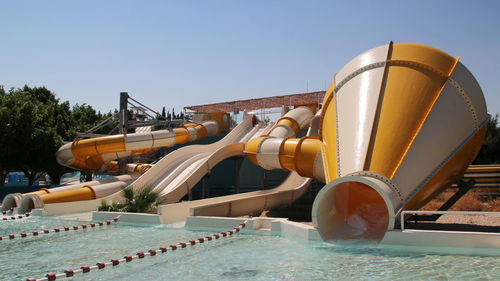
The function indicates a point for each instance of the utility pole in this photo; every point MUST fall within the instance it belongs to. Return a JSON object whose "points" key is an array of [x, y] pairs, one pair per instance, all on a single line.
{"points": [[122, 164]]}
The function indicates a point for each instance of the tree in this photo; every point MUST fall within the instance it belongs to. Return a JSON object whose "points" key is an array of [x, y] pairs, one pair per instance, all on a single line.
{"points": [[490, 151], [4, 135], [33, 125], [31, 130]]}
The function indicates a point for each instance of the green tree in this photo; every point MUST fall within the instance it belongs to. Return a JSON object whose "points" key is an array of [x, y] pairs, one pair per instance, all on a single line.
{"points": [[84, 117], [31, 130], [5, 156], [490, 151], [34, 124]]}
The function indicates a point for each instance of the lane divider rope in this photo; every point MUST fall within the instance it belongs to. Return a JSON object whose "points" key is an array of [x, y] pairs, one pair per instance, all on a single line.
{"points": [[140, 255], [57, 229], [10, 211], [14, 217]]}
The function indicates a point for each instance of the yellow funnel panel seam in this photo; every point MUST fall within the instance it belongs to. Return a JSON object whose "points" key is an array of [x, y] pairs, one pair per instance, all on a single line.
{"points": [[410, 90], [428, 110], [328, 135], [376, 118], [326, 102]]}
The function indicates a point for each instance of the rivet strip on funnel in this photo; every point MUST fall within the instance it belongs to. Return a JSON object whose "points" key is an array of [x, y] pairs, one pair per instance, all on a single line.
{"points": [[467, 101], [390, 63], [382, 178], [358, 72], [337, 140]]}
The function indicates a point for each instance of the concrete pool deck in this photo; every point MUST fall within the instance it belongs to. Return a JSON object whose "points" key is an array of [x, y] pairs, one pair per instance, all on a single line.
{"points": [[450, 242], [441, 241]]}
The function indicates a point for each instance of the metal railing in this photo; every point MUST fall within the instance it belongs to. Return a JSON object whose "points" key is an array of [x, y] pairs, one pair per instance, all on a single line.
{"points": [[444, 213]]}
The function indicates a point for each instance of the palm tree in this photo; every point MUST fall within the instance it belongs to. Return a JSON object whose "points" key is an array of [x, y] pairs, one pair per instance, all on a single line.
{"points": [[143, 202]]}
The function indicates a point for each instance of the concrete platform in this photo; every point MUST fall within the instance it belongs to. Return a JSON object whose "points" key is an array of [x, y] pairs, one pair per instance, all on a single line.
{"points": [[439, 242]]}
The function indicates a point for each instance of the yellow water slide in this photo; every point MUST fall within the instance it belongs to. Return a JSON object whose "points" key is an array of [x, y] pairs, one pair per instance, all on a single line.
{"points": [[399, 123], [282, 150], [13, 200], [80, 192], [95, 154]]}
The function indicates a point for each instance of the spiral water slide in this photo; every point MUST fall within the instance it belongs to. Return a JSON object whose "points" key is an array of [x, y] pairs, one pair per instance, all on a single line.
{"points": [[399, 123], [255, 202], [178, 172], [174, 178], [292, 188], [97, 154]]}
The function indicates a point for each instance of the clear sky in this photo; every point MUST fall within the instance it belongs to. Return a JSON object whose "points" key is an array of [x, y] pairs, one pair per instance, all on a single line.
{"points": [[181, 53]]}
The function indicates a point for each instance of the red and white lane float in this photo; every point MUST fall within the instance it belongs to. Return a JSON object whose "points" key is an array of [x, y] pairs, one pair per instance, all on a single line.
{"points": [[140, 255], [57, 229], [15, 217]]}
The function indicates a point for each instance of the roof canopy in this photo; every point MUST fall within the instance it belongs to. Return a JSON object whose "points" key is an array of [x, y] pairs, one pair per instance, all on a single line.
{"points": [[269, 102]]}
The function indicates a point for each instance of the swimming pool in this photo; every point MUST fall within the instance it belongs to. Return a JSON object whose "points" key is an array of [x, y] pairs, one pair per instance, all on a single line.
{"points": [[240, 257]]}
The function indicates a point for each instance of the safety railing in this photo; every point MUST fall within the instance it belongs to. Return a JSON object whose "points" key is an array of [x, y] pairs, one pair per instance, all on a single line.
{"points": [[403, 213]]}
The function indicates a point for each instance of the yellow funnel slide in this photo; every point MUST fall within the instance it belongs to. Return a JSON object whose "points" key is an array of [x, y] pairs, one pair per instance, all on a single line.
{"points": [[399, 123]]}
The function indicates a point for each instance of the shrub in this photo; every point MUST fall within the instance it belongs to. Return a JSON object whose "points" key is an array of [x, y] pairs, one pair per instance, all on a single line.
{"points": [[145, 201]]}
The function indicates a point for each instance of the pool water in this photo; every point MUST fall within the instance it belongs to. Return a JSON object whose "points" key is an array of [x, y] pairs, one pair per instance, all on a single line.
{"points": [[240, 257]]}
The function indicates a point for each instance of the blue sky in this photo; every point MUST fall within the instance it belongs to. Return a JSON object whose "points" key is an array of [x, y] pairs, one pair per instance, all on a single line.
{"points": [[182, 53]]}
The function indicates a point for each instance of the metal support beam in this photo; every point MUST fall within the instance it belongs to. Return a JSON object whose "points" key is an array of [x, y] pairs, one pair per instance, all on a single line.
{"points": [[122, 164], [265, 174], [205, 185], [237, 175], [123, 112], [463, 188], [88, 176]]}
